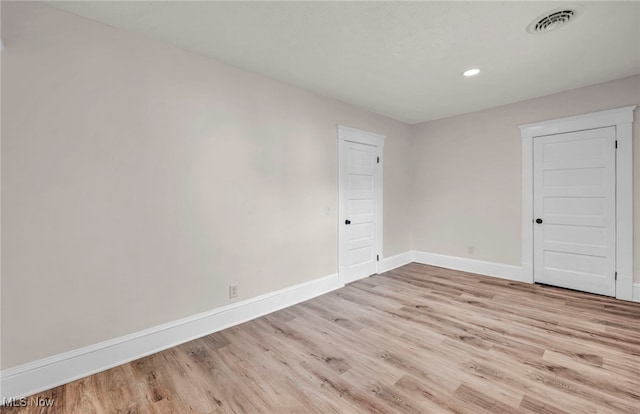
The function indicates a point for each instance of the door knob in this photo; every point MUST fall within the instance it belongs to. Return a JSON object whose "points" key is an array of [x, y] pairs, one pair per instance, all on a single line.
{"points": [[347, 222], [539, 221]]}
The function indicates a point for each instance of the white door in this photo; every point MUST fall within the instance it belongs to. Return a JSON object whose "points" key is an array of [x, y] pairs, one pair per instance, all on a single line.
{"points": [[359, 203], [574, 185]]}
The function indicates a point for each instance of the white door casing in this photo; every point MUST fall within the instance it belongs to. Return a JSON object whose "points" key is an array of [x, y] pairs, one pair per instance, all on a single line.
{"points": [[360, 203], [622, 120], [574, 205]]}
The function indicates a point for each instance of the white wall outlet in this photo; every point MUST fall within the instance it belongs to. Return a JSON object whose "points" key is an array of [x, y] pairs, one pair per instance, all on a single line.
{"points": [[233, 291]]}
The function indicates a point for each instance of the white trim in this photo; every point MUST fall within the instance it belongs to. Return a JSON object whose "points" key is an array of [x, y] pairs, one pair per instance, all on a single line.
{"points": [[47, 373], [484, 268], [358, 135], [636, 292], [393, 262], [481, 267], [591, 120], [348, 134], [624, 211], [622, 119]]}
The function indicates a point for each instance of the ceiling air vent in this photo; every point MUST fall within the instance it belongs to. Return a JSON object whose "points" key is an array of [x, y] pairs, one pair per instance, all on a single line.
{"points": [[553, 19]]}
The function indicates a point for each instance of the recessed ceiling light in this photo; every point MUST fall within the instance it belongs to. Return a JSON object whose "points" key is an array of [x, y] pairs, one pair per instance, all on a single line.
{"points": [[471, 72]]}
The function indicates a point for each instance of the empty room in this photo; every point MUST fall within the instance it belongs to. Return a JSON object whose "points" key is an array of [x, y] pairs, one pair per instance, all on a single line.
{"points": [[320, 207]]}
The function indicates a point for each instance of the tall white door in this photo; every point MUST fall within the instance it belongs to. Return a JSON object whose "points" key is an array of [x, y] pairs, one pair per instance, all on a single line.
{"points": [[574, 210], [359, 192]]}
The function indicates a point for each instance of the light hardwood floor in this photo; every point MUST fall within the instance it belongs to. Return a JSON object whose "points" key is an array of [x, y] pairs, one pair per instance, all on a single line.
{"points": [[418, 339]]}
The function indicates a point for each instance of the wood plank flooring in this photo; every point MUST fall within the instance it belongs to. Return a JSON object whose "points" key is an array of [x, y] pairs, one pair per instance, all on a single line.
{"points": [[418, 339]]}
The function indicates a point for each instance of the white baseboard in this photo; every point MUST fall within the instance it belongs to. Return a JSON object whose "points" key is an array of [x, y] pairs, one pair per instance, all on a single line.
{"points": [[481, 267], [390, 263], [47, 373]]}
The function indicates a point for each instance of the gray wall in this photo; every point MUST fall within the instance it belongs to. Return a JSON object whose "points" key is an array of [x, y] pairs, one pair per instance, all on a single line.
{"points": [[467, 173], [140, 180]]}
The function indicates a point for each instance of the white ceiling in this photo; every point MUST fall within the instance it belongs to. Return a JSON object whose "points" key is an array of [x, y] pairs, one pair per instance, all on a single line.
{"points": [[399, 59]]}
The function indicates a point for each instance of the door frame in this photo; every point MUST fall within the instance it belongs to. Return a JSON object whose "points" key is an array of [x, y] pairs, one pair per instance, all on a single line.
{"points": [[622, 120], [348, 134]]}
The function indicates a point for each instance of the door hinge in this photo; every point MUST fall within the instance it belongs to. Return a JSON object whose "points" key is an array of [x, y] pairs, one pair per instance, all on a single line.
{"points": [[377, 257], [616, 143], [616, 277], [378, 160]]}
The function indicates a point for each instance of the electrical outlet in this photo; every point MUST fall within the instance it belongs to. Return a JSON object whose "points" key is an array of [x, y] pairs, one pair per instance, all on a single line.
{"points": [[233, 291]]}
